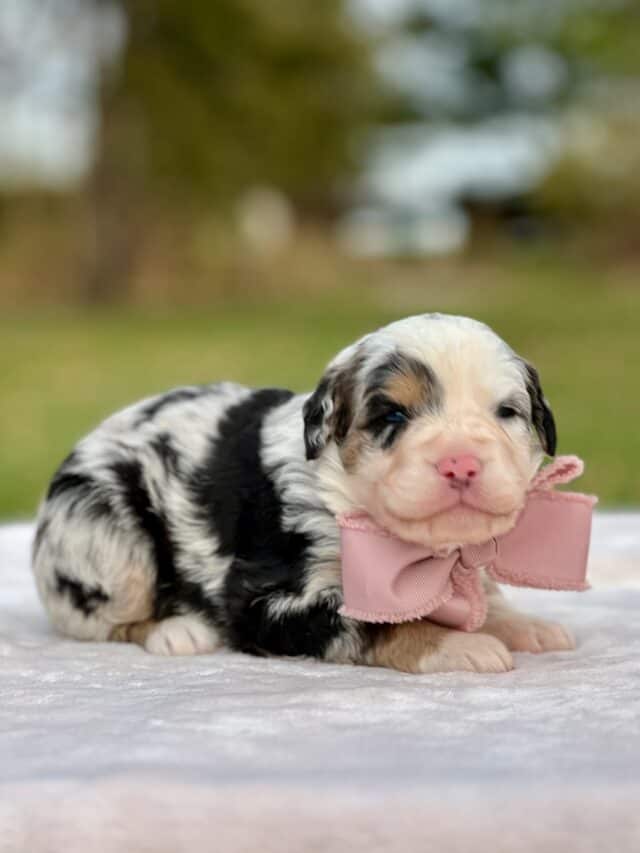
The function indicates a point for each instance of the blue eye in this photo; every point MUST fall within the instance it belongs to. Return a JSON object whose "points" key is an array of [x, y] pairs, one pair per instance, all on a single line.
{"points": [[395, 417]]}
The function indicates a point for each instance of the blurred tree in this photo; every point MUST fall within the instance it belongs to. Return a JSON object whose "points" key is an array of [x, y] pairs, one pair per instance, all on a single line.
{"points": [[486, 57], [459, 66], [210, 99]]}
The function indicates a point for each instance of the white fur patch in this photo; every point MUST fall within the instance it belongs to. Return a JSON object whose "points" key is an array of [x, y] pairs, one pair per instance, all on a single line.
{"points": [[182, 635]]}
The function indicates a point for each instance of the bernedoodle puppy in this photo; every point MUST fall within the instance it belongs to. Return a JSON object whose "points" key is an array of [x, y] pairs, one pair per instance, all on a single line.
{"points": [[206, 517]]}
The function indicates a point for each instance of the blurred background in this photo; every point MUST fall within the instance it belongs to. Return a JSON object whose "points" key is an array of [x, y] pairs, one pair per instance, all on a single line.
{"points": [[193, 190]]}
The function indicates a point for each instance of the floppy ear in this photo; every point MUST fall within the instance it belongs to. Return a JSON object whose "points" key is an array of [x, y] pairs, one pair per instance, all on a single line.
{"points": [[541, 414], [328, 412], [316, 412]]}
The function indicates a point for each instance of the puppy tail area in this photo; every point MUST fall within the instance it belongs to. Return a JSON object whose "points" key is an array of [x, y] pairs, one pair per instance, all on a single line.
{"points": [[187, 634], [87, 591], [97, 585]]}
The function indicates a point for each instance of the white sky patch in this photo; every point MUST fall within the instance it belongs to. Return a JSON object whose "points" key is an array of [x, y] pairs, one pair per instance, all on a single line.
{"points": [[417, 165], [51, 55]]}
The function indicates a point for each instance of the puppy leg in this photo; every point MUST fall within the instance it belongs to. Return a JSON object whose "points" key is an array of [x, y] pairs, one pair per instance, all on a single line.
{"points": [[188, 634], [425, 647], [520, 632]]}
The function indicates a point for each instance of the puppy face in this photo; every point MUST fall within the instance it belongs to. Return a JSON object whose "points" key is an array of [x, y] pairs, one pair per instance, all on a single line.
{"points": [[434, 426]]}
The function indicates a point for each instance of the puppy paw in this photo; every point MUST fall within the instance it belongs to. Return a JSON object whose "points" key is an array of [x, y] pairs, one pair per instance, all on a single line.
{"points": [[181, 635], [522, 633], [459, 651]]}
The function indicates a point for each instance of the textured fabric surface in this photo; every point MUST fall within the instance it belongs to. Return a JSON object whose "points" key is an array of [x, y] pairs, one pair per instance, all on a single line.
{"points": [[106, 748]]}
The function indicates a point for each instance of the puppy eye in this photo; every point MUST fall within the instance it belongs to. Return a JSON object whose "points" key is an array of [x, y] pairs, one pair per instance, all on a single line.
{"points": [[507, 412], [396, 416]]}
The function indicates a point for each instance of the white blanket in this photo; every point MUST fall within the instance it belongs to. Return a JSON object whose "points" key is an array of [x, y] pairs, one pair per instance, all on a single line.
{"points": [[106, 749]]}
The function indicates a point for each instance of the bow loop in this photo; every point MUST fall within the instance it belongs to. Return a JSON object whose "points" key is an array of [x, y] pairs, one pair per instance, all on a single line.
{"points": [[563, 469]]}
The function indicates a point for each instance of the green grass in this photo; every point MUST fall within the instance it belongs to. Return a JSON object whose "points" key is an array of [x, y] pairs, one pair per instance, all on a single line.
{"points": [[63, 372]]}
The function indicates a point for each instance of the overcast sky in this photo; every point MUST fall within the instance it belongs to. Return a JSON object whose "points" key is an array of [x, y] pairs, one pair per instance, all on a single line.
{"points": [[51, 52]]}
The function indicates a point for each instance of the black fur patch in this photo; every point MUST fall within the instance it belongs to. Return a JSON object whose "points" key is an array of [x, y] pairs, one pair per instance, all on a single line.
{"points": [[244, 512], [380, 401], [253, 628], [41, 532], [344, 392], [67, 481], [80, 487], [83, 597], [178, 395], [236, 495], [338, 386], [167, 453], [378, 407], [130, 478], [541, 414], [172, 591], [314, 415]]}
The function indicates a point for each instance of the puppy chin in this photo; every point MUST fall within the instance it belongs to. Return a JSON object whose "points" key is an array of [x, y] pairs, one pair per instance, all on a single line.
{"points": [[459, 525]]}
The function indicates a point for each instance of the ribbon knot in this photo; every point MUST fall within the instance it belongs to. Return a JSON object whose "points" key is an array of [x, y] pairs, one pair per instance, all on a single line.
{"points": [[473, 557], [386, 579]]}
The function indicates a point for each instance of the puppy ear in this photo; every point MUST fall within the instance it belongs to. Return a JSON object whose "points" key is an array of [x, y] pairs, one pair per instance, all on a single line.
{"points": [[541, 414], [316, 412], [328, 412]]}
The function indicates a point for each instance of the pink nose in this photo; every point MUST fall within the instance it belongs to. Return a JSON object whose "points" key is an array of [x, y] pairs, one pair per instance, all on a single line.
{"points": [[460, 470]]}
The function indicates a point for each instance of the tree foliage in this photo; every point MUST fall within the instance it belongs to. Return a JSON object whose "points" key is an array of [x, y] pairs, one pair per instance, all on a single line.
{"points": [[211, 98]]}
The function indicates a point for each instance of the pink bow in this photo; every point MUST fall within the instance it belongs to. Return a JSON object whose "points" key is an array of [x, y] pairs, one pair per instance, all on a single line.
{"points": [[386, 579]]}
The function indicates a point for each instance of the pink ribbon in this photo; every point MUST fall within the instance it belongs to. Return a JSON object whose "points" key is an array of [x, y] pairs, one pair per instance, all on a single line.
{"points": [[386, 579]]}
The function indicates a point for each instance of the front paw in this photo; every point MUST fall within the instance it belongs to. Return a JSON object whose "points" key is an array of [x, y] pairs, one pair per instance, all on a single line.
{"points": [[459, 651], [181, 635], [522, 633]]}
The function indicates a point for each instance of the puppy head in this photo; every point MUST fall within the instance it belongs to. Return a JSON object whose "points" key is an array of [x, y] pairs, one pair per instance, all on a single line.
{"points": [[434, 426]]}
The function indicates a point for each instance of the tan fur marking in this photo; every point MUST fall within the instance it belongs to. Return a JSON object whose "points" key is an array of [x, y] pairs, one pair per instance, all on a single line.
{"points": [[523, 633], [404, 646], [134, 632], [409, 390], [132, 600], [353, 448]]}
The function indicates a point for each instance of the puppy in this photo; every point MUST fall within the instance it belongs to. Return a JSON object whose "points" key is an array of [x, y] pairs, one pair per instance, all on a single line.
{"points": [[205, 517]]}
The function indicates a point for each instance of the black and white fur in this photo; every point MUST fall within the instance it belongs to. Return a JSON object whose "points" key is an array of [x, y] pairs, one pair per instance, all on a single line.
{"points": [[205, 517]]}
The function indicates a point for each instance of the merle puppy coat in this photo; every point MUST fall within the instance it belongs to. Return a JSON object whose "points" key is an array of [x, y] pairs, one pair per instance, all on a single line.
{"points": [[205, 517]]}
